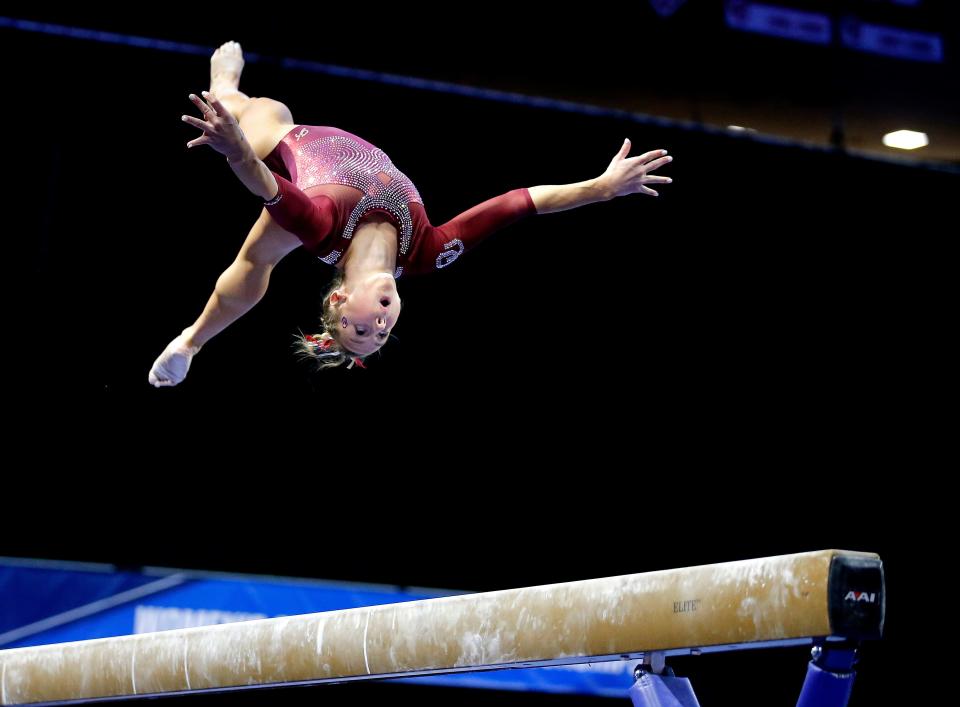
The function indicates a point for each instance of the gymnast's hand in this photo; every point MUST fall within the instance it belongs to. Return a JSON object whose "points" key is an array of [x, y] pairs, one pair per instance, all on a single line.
{"points": [[629, 175], [220, 129], [172, 365]]}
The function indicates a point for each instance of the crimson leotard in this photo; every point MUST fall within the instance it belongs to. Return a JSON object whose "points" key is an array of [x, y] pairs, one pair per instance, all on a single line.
{"points": [[329, 179]]}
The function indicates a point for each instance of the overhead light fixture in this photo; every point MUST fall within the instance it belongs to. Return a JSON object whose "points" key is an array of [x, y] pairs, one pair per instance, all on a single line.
{"points": [[905, 139]]}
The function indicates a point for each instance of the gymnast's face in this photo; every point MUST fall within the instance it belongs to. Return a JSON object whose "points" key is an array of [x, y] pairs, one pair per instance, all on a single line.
{"points": [[368, 312]]}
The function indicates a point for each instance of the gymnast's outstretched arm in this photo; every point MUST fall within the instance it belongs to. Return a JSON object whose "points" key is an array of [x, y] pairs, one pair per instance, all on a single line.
{"points": [[623, 176], [222, 132]]}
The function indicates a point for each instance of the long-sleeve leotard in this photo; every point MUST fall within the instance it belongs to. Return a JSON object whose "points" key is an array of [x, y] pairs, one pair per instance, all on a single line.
{"points": [[329, 179]]}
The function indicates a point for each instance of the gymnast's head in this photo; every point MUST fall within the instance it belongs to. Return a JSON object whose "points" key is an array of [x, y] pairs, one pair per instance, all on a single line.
{"points": [[358, 318]]}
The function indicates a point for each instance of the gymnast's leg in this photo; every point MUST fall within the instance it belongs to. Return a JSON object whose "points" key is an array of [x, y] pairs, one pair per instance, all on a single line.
{"points": [[264, 121]]}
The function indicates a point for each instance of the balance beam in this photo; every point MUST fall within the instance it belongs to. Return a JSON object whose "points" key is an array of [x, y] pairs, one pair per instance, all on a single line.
{"points": [[771, 601]]}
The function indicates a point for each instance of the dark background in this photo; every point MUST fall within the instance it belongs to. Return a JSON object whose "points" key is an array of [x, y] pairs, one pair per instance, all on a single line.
{"points": [[772, 381]]}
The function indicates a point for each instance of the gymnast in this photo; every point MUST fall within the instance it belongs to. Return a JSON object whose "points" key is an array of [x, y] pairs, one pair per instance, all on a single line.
{"points": [[343, 199]]}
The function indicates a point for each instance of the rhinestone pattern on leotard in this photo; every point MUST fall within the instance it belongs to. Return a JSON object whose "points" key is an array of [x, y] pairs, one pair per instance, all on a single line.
{"points": [[451, 251], [337, 159]]}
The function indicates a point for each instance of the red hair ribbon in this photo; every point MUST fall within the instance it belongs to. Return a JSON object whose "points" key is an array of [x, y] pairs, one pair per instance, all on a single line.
{"points": [[320, 343]]}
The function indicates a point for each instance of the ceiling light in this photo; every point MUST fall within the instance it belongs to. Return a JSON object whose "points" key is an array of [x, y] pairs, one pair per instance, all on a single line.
{"points": [[906, 140]]}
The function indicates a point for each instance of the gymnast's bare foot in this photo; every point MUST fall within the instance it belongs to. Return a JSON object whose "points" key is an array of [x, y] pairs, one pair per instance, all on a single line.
{"points": [[226, 65], [172, 365]]}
